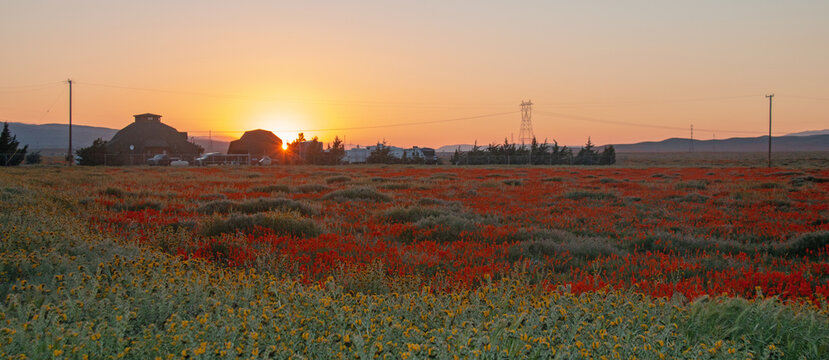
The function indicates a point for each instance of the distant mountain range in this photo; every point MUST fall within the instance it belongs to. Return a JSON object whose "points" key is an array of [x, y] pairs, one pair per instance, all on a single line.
{"points": [[789, 143], [817, 140], [54, 136], [808, 133]]}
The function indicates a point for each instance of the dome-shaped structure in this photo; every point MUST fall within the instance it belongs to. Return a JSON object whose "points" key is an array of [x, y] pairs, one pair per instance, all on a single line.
{"points": [[257, 143], [148, 136]]}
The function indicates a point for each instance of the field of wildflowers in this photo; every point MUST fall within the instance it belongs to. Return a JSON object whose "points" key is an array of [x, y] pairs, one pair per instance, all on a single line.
{"points": [[414, 262]]}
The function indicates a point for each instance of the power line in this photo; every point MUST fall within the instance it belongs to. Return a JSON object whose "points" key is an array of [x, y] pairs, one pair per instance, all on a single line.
{"points": [[625, 123], [292, 100], [648, 102], [27, 88], [807, 98], [378, 126]]}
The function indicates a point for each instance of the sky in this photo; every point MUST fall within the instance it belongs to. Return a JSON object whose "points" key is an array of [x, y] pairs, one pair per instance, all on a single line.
{"points": [[425, 73]]}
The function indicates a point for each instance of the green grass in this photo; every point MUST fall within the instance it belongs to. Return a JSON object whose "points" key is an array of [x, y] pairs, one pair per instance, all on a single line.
{"points": [[358, 194], [279, 222]]}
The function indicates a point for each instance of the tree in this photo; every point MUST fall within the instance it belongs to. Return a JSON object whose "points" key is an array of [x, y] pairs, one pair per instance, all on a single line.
{"points": [[10, 154], [312, 152], [608, 156], [335, 152], [94, 154], [588, 155], [381, 155]]}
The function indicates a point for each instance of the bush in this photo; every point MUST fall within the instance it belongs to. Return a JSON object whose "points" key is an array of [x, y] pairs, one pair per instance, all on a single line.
{"points": [[138, 206], [255, 206], [690, 198], [281, 223], [94, 154], [807, 244], [431, 201], [409, 214], [217, 206], [441, 228], [768, 185], [337, 179], [758, 324], [311, 188], [262, 205], [271, 188], [357, 193], [394, 186], [685, 244], [214, 196], [577, 247], [691, 185], [115, 192], [803, 180], [34, 158], [584, 194], [513, 182]]}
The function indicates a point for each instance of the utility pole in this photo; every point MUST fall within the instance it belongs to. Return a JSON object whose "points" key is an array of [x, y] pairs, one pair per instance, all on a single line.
{"points": [[770, 98], [69, 158], [210, 140], [692, 137]]}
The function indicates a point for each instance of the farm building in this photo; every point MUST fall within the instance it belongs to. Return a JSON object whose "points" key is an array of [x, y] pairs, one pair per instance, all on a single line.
{"points": [[256, 143], [356, 155], [146, 137]]}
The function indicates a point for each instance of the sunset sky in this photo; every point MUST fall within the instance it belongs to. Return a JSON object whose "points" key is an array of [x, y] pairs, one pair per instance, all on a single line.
{"points": [[592, 68]]}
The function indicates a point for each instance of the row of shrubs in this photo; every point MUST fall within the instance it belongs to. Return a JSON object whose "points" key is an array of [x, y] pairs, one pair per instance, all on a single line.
{"points": [[256, 206], [280, 223]]}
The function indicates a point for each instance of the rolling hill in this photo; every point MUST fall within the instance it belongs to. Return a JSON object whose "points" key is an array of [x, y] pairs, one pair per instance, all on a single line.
{"points": [[787, 143], [55, 137]]}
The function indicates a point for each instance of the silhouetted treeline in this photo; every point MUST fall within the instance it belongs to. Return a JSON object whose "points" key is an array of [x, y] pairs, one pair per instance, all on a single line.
{"points": [[534, 154], [382, 155], [311, 151]]}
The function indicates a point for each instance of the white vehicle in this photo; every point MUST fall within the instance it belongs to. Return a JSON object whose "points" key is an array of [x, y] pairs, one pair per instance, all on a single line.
{"points": [[265, 160], [179, 163]]}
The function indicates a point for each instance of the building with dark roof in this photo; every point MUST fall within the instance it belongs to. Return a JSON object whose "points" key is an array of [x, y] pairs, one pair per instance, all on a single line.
{"points": [[146, 137], [256, 143]]}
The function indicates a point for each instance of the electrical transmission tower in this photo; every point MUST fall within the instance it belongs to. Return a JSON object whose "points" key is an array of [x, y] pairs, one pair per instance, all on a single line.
{"points": [[525, 136]]}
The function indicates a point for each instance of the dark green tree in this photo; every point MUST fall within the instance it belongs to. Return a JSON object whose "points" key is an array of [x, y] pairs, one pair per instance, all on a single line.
{"points": [[588, 154], [335, 152], [94, 154], [10, 154], [381, 155], [608, 156], [312, 151]]}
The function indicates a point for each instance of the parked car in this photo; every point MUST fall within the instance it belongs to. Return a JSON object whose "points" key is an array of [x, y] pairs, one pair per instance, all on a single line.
{"points": [[159, 160], [207, 159], [179, 163], [265, 160], [215, 158]]}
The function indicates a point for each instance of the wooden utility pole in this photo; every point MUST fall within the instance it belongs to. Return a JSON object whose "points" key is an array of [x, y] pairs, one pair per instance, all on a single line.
{"points": [[770, 98], [69, 158]]}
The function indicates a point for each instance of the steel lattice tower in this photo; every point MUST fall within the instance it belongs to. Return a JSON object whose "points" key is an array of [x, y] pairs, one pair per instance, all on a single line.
{"points": [[525, 136]]}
